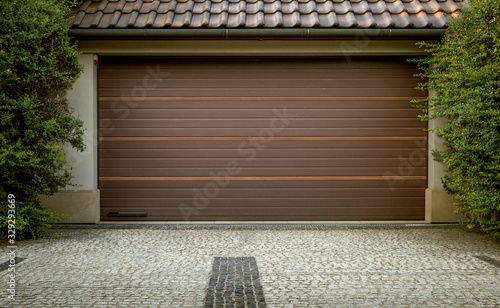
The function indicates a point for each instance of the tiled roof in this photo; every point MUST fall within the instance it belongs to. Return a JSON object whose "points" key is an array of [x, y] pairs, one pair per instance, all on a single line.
{"points": [[263, 13]]}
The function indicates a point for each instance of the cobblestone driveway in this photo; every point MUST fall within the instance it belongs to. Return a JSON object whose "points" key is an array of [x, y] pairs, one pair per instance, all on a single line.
{"points": [[299, 266]]}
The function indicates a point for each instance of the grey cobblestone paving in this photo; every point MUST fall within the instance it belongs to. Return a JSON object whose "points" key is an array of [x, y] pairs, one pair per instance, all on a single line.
{"points": [[234, 281], [299, 266], [5, 265], [491, 261]]}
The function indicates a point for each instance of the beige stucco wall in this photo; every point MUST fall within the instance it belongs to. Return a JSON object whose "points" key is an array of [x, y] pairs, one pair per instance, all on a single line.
{"points": [[82, 202], [438, 203], [81, 205], [439, 206]]}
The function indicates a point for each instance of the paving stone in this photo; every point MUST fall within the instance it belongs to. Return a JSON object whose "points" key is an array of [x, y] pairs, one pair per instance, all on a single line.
{"points": [[234, 282], [298, 265]]}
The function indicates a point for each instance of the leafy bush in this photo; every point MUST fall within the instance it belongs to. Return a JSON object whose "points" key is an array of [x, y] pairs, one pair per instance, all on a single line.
{"points": [[38, 65], [32, 220], [464, 70]]}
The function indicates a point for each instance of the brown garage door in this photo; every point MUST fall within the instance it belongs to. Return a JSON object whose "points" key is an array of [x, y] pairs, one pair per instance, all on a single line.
{"points": [[260, 138]]}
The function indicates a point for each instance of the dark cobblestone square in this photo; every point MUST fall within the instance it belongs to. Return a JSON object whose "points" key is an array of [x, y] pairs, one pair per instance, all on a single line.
{"points": [[234, 282]]}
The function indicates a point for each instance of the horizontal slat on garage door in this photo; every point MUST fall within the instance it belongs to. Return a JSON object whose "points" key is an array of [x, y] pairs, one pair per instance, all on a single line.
{"points": [[258, 162], [243, 132], [123, 106], [351, 147], [225, 83]]}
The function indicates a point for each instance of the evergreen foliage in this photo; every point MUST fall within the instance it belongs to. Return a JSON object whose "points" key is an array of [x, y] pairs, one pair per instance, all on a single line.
{"points": [[38, 65], [464, 72]]}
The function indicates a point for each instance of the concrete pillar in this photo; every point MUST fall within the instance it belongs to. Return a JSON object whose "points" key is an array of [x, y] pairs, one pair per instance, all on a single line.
{"points": [[438, 203], [82, 202]]}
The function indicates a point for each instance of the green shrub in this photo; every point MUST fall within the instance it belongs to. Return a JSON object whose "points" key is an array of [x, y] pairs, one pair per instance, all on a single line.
{"points": [[32, 220], [38, 65], [464, 70]]}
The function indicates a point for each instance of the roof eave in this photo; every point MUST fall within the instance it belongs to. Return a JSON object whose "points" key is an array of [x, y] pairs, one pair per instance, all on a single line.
{"points": [[257, 33]]}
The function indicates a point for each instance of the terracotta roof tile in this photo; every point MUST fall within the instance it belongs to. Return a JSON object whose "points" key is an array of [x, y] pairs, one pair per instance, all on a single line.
{"points": [[384, 20], [218, 20], [219, 7], [347, 20], [343, 7], [366, 20], [307, 7], [163, 20], [168, 7], [396, 7], [94, 7], [310, 20], [115, 19], [402, 20], [253, 8], [273, 20], [325, 7], [122, 21], [328, 20], [449, 6], [84, 6], [129, 7], [77, 19], [360, 7], [255, 20], [236, 20], [291, 20], [438, 20], [184, 7], [264, 13], [289, 7], [151, 19], [431, 6], [200, 20], [182, 20], [378, 7], [105, 21], [97, 19], [133, 19], [141, 21], [114, 6], [272, 7], [87, 20], [148, 7], [420, 20], [414, 7], [200, 7], [237, 7]]}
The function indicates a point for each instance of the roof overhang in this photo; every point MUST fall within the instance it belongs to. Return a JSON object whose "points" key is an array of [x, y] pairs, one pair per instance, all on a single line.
{"points": [[221, 33]]}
